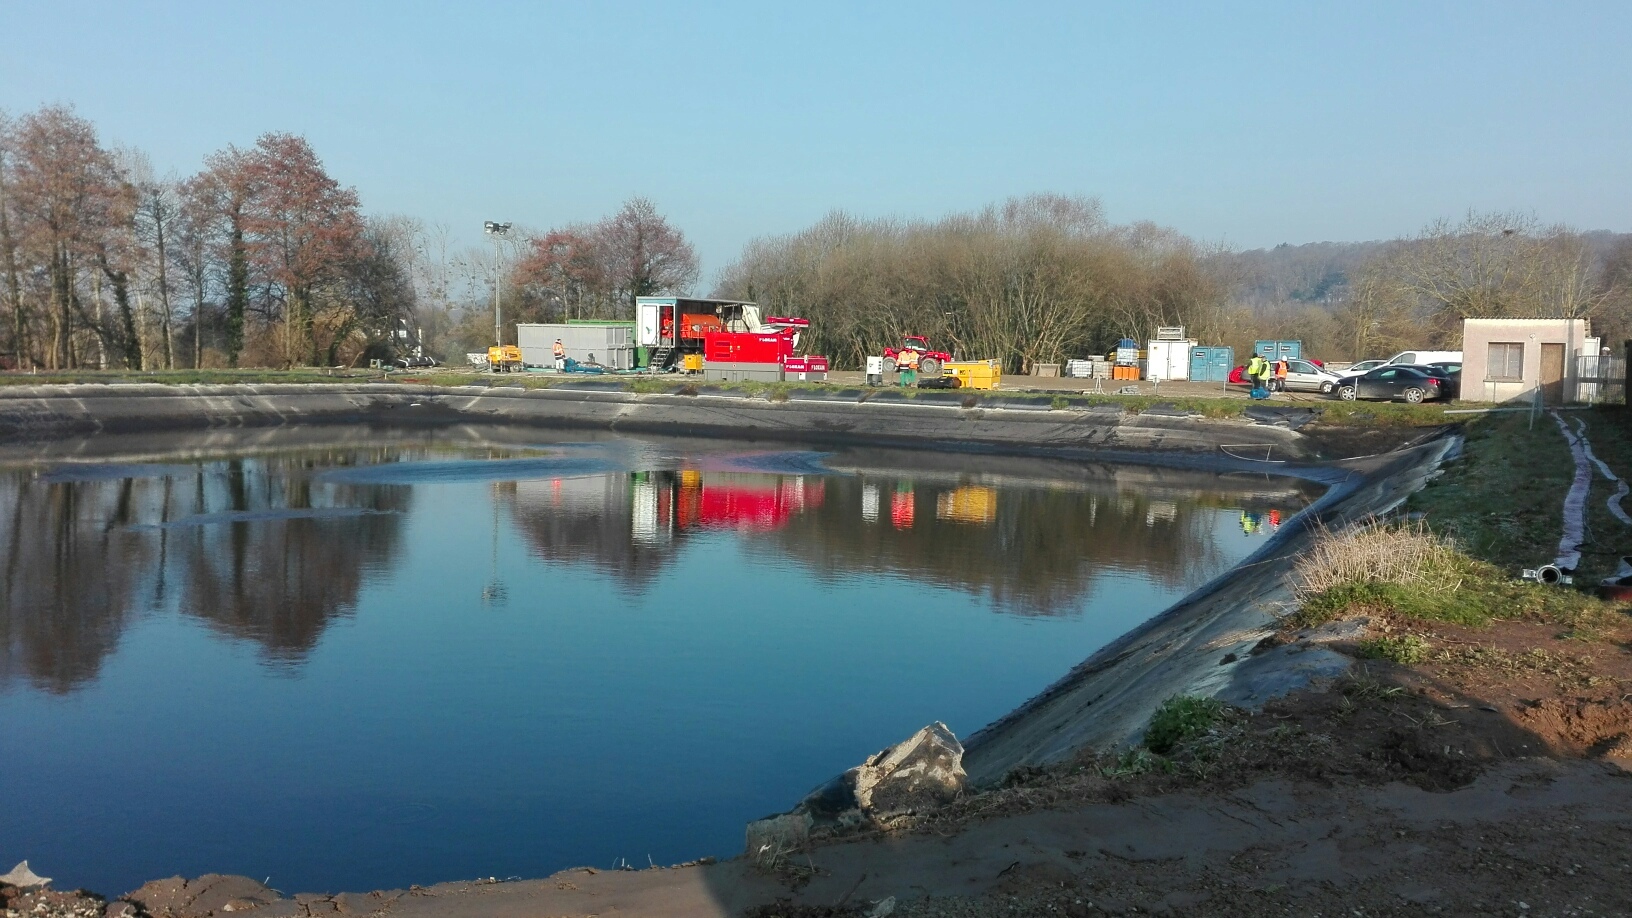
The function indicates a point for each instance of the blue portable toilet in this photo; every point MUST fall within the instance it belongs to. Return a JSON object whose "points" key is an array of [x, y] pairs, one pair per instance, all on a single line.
{"points": [[1211, 364], [1279, 350]]}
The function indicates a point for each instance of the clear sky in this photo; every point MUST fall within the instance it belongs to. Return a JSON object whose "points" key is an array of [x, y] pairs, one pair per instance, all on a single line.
{"points": [[1250, 123]]}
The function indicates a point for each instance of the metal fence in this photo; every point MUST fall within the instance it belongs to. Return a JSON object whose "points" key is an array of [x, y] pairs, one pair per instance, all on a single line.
{"points": [[1600, 380]]}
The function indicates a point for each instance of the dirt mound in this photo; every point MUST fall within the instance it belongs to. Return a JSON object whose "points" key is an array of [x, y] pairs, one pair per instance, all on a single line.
{"points": [[1600, 728]]}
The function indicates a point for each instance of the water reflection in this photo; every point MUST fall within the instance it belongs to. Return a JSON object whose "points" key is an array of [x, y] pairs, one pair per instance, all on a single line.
{"points": [[271, 548], [253, 547], [1030, 547]]}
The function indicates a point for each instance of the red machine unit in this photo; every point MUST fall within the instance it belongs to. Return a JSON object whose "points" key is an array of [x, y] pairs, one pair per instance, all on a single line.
{"points": [[804, 364], [747, 347]]}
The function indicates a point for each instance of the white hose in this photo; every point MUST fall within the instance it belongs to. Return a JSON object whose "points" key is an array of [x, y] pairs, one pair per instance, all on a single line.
{"points": [[1575, 501], [1621, 488]]}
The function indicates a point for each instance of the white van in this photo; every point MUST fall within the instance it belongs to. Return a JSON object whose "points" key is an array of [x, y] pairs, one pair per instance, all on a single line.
{"points": [[1423, 358]]}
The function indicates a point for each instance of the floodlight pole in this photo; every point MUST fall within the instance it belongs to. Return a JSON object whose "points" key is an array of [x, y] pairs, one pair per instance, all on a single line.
{"points": [[496, 230]]}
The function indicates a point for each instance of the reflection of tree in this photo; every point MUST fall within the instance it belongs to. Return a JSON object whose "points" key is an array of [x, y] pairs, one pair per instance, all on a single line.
{"points": [[279, 582], [80, 557], [69, 576], [1039, 554]]}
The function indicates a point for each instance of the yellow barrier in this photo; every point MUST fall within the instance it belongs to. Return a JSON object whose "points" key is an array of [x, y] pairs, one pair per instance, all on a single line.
{"points": [[975, 374]]}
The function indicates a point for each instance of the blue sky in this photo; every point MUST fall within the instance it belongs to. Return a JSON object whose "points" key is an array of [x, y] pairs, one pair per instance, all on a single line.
{"points": [[1249, 123]]}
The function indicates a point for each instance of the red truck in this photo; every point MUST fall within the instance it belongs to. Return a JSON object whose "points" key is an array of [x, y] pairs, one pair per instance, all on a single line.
{"points": [[929, 361]]}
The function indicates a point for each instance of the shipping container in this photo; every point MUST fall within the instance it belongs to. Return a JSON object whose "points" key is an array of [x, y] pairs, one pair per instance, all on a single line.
{"points": [[611, 346], [1168, 359], [1275, 350], [1211, 364]]}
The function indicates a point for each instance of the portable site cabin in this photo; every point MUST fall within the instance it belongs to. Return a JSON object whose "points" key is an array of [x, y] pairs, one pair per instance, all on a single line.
{"points": [[1508, 359], [611, 345]]}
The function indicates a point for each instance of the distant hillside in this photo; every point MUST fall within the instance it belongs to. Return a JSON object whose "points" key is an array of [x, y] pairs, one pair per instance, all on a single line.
{"points": [[1315, 272], [1318, 272]]}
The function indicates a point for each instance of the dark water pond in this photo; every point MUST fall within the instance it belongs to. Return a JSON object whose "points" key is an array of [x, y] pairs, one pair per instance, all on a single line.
{"points": [[356, 660]]}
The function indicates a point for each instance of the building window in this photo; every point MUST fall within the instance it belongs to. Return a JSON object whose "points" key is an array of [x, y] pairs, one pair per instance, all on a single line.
{"points": [[1505, 362]]}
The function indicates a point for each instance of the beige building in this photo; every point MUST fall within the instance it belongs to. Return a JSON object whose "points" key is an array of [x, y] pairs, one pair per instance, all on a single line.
{"points": [[1507, 359]]}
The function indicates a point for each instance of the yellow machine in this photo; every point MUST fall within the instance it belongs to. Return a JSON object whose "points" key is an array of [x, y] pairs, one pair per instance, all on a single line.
{"points": [[504, 359], [691, 363], [975, 374]]}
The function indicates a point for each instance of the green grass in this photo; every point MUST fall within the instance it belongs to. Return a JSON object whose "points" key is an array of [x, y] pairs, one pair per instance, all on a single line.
{"points": [[1503, 500], [1407, 648], [1457, 589], [1181, 718]]}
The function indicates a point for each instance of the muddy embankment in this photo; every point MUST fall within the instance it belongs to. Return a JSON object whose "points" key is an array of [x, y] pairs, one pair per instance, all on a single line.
{"points": [[1203, 645]]}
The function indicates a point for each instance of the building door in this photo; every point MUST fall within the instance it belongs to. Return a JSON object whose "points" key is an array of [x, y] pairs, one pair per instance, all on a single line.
{"points": [[1552, 374]]}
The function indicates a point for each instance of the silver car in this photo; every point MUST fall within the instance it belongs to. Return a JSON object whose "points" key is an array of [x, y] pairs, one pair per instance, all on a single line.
{"points": [[1305, 376]]}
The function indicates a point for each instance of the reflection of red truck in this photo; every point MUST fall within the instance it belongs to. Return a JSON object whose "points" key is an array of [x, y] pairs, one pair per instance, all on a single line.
{"points": [[743, 501]]}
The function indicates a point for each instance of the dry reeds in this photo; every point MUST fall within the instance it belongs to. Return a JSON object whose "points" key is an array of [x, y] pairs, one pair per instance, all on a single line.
{"points": [[1403, 553]]}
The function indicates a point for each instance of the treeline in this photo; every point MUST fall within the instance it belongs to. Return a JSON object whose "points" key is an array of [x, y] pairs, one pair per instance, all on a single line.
{"points": [[1033, 280], [261, 258], [1045, 278]]}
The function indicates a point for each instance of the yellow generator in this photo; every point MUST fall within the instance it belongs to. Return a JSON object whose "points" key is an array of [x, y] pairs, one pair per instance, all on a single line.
{"points": [[691, 363], [975, 374], [504, 359]]}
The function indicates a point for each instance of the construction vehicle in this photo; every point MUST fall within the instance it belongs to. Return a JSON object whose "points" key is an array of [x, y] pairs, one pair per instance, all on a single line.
{"points": [[504, 358], [724, 339], [929, 361]]}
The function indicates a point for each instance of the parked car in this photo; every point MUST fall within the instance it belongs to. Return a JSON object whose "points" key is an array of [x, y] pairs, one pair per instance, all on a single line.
{"points": [[412, 363], [1413, 384], [1450, 376], [1355, 369], [1306, 375], [1420, 358]]}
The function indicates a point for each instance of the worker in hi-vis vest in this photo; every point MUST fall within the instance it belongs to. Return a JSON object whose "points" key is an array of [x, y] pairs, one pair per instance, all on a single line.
{"points": [[560, 351], [1258, 372], [907, 363]]}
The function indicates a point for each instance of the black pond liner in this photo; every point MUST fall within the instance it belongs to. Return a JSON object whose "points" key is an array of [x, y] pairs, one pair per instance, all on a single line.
{"points": [[1020, 404], [722, 392], [825, 395], [591, 385], [1292, 418]]}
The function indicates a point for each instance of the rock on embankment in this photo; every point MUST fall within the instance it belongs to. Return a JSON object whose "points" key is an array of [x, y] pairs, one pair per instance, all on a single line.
{"points": [[921, 773]]}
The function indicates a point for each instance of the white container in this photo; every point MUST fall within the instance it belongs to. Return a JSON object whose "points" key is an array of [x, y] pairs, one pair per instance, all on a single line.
{"points": [[611, 346], [1168, 359]]}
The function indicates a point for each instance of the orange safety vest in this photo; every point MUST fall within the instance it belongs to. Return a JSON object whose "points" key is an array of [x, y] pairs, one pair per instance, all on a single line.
{"points": [[559, 350], [909, 359]]}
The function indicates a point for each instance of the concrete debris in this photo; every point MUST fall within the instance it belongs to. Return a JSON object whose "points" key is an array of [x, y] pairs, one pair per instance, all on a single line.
{"points": [[921, 773], [924, 772], [23, 878]]}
